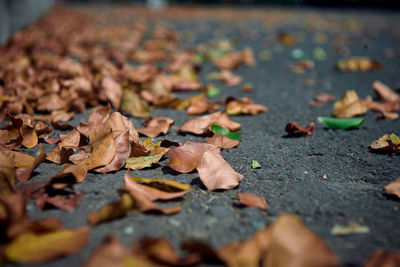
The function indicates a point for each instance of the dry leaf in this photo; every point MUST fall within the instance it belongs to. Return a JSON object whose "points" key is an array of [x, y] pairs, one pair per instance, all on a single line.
{"points": [[349, 106], [253, 200], [385, 93], [102, 154], [391, 116], [387, 143], [297, 130], [383, 259], [112, 210], [394, 187], [292, 244], [215, 173], [201, 125], [154, 126], [229, 78], [243, 106], [358, 64], [38, 248], [161, 251], [23, 173], [186, 157], [222, 141], [123, 150], [381, 106]]}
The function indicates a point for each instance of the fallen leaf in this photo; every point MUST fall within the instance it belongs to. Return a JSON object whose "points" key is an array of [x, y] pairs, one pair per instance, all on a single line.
{"points": [[23, 173], [160, 250], [385, 93], [381, 106], [112, 210], [391, 116], [123, 150], [349, 229], [243, 106], [68, 202], [247, 88], [212, 91], [39, 248], [253, 200], [292, 244], [255, 164], [349, 106], [215, 173], [394, 187], [201, 125], [341, 123], [297, 130], [387, 143], [154, 126], [383, 259], [248, 56], [301, 66], [186, 157], [102, 154], [134, 104], [229, 78], [138, 163], [286, 39], [222, 141], [109, 253]]}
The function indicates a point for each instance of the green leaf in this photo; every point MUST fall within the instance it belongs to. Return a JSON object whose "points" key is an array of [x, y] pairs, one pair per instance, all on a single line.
{"points": [[255, 164], [319, 53], [218, 129], [212, 92], [342, 123]]}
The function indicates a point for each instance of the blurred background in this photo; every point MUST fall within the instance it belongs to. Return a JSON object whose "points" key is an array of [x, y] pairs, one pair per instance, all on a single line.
{"points": [[15, 14]]}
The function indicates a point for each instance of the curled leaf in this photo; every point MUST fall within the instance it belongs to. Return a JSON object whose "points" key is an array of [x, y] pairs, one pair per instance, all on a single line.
{"points": [[297, 129], [342, 123], [388, 142], [222, 141], [154, 126], [201, 125], [349, 106], [385, 93], [243, 106]]}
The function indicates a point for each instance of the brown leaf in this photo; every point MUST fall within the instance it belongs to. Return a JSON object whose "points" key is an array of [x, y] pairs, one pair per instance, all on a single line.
{"points": [[293, 244], [229, 78], [42, 130], [385, 93], [391, 116], [248, 56], [160, 250], [215, 173], [325, 97], [381, 106], [39, 248], [201, 125], [394, 187], [222, 141], [111, 91], [358, 64], [23, 173], [109, 253], [349, 106], [383, 259], [243, 106], [7, 172], [200, 106], [297, 129], [253, 200], [248, 253], [102, 154], [186, 157], [154, 126], [134, 104], [228, 62], [123, 150], [62, 202]]}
